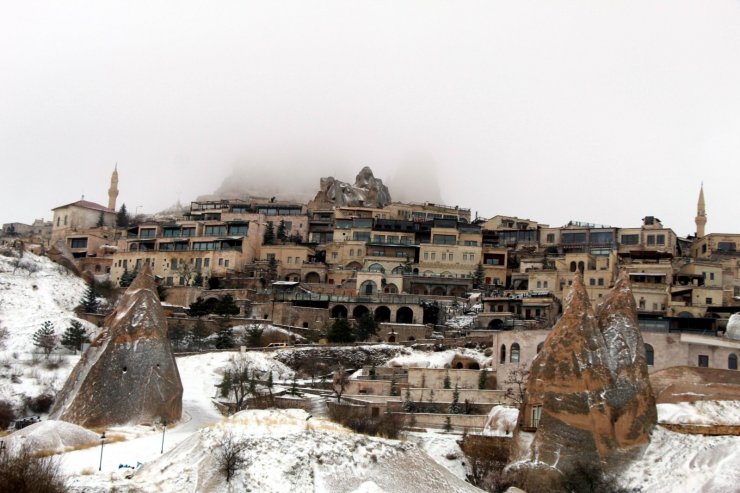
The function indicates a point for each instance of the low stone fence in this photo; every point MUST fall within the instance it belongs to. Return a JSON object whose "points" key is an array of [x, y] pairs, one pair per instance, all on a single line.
{"points": [[709, 430], [460, 422]]}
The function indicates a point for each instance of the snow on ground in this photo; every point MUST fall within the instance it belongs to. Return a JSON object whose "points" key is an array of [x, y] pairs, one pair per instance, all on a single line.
{"points": [[439, 359], [443, 448], [461, 321], [51, 436], [501, 421], [268, 329], [700, 413], [682, 462], [37, 291]]}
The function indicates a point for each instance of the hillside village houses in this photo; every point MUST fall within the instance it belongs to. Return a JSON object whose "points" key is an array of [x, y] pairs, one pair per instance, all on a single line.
{"points": [[390, 261]]}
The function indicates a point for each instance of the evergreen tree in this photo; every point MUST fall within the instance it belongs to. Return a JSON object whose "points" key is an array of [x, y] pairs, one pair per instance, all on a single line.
{"points": [[161, 292], [408, 403], [176, 334], [227, 306], [446, 381], [296, 238], [448, 424], [455, 404], [122, 217], [294, 387], [127, 278], [225, 338], [271, 269], [90, 301], [198, 281], [101, 220], [254, 336], [269, 236], [45, 338], [282, 234], [198, 308], [478, 277], [367, 326], [199, 334], [482, 379], [74, 336], [340, 331]]}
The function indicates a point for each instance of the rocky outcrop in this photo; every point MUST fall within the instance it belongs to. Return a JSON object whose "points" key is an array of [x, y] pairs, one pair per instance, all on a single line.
{"points": [[591, 380], [128, 374], [367, 191], [733, 327]]}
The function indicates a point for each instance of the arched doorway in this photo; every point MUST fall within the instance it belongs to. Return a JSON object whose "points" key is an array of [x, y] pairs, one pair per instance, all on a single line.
{"points": [[359, 311], [649, 355], [390, 289], [354, 266], [438, 291], [502, 358], [405, 315], [313, 278], [495, 324], [368, 288], [339, 311], [383, 314], [514, 358]]}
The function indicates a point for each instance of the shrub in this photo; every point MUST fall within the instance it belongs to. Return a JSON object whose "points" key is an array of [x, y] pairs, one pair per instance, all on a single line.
{"points": [[7, 414], [21, 472], [229, 456], [385, 425], [41, 403]]}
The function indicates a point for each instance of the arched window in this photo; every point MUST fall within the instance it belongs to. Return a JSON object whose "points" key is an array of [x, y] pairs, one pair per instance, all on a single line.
{"points": [[502, 360], [732, 362], [649, 355], [368, 287], [376, 268], [514, 353], [573, 267], [581, 267]]}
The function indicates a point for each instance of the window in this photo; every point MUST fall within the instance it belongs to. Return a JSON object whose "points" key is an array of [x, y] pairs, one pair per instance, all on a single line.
{"points": [[426, 255], [651, 240], [215, 230], [539, 284], [703, 361], [434, 256], [188, 231], [514, 353], [573, 238], [171, 232], [592, 282], [550, 238], [226, 263], [544, 284], [147, 233], [78, 243], [724, 246], [502, 360], [238, 230], [444, 256], [290, 260], [649, 355], [220, 261], [351, 252], [465, 257], [334, 255], [601, 281], [173, 263], [65, 219], [206, 262], [711, 276], [536, 416], [709, 301], [660, 239], [444, 239], [449, 257], [732, 362]]}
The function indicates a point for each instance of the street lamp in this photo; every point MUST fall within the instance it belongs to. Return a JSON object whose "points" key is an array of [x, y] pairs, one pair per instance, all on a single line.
{"points": [[102, 442], [164, 428]]}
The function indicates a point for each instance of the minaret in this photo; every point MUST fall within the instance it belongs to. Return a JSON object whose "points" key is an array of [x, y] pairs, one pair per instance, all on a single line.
{"points": [[701, 214], [113, 190]]}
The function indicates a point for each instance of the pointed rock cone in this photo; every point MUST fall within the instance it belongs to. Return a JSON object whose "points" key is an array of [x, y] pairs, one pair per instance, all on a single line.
{"points": [[568, 379], [631, 400], [128, 374]]}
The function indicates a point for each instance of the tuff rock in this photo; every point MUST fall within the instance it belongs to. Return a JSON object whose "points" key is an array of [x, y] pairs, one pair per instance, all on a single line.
{"points": [[367, 191], [128, 374], [591, 380]]}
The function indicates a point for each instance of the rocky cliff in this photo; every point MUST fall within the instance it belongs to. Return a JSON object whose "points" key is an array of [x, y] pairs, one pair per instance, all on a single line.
{"points": [[367, 191], [128, 374], [591, 380]]}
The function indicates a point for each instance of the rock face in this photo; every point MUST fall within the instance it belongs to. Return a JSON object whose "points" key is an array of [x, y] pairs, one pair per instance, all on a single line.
{"points": [[128, 375], [367, 191], [733, 327], [591, 380]]}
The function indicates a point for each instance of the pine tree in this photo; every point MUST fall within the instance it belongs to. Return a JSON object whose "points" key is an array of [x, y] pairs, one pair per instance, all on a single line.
{"points": [[340, 331], [45, 338], [282, 234], [446, 381], [455, 404], [367, 326], [269, 236], [408, 403], [122, 217], [482, 379], [227, 306], [253, 337], [271, 269], [198, 335], [478, 277], [127, 278], [90, 301], [74, 336], [225, 338], [176, 334], [448, 424], [101, 220]]}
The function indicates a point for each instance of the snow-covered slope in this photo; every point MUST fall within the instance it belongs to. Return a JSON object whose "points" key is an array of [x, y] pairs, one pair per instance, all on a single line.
{"points": [[287, 452], [700, 413], [33, 290], [425, 359], [52, 436]]}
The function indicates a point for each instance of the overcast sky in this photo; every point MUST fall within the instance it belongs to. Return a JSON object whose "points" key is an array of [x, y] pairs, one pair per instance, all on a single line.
{"points": [[550, 110]]}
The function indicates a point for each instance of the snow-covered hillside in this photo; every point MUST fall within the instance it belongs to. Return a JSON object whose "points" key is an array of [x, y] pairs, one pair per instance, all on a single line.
{"points": [[439, 359], [33, 290]]}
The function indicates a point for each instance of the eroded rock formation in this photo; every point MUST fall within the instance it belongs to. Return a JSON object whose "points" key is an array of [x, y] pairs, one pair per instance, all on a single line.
{"points": [[367, 190], [128, 375], [591, 380]]}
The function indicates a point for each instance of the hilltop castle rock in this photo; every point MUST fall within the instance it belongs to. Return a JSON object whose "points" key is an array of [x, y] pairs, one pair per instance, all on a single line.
{"points": [[128, 375], [367, 191], [591, 380]]}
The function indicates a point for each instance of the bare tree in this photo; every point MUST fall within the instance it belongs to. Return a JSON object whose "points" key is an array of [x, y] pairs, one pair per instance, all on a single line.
{"points": [[238, 381], [340, 382], [516, 384], [229, 455]]}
